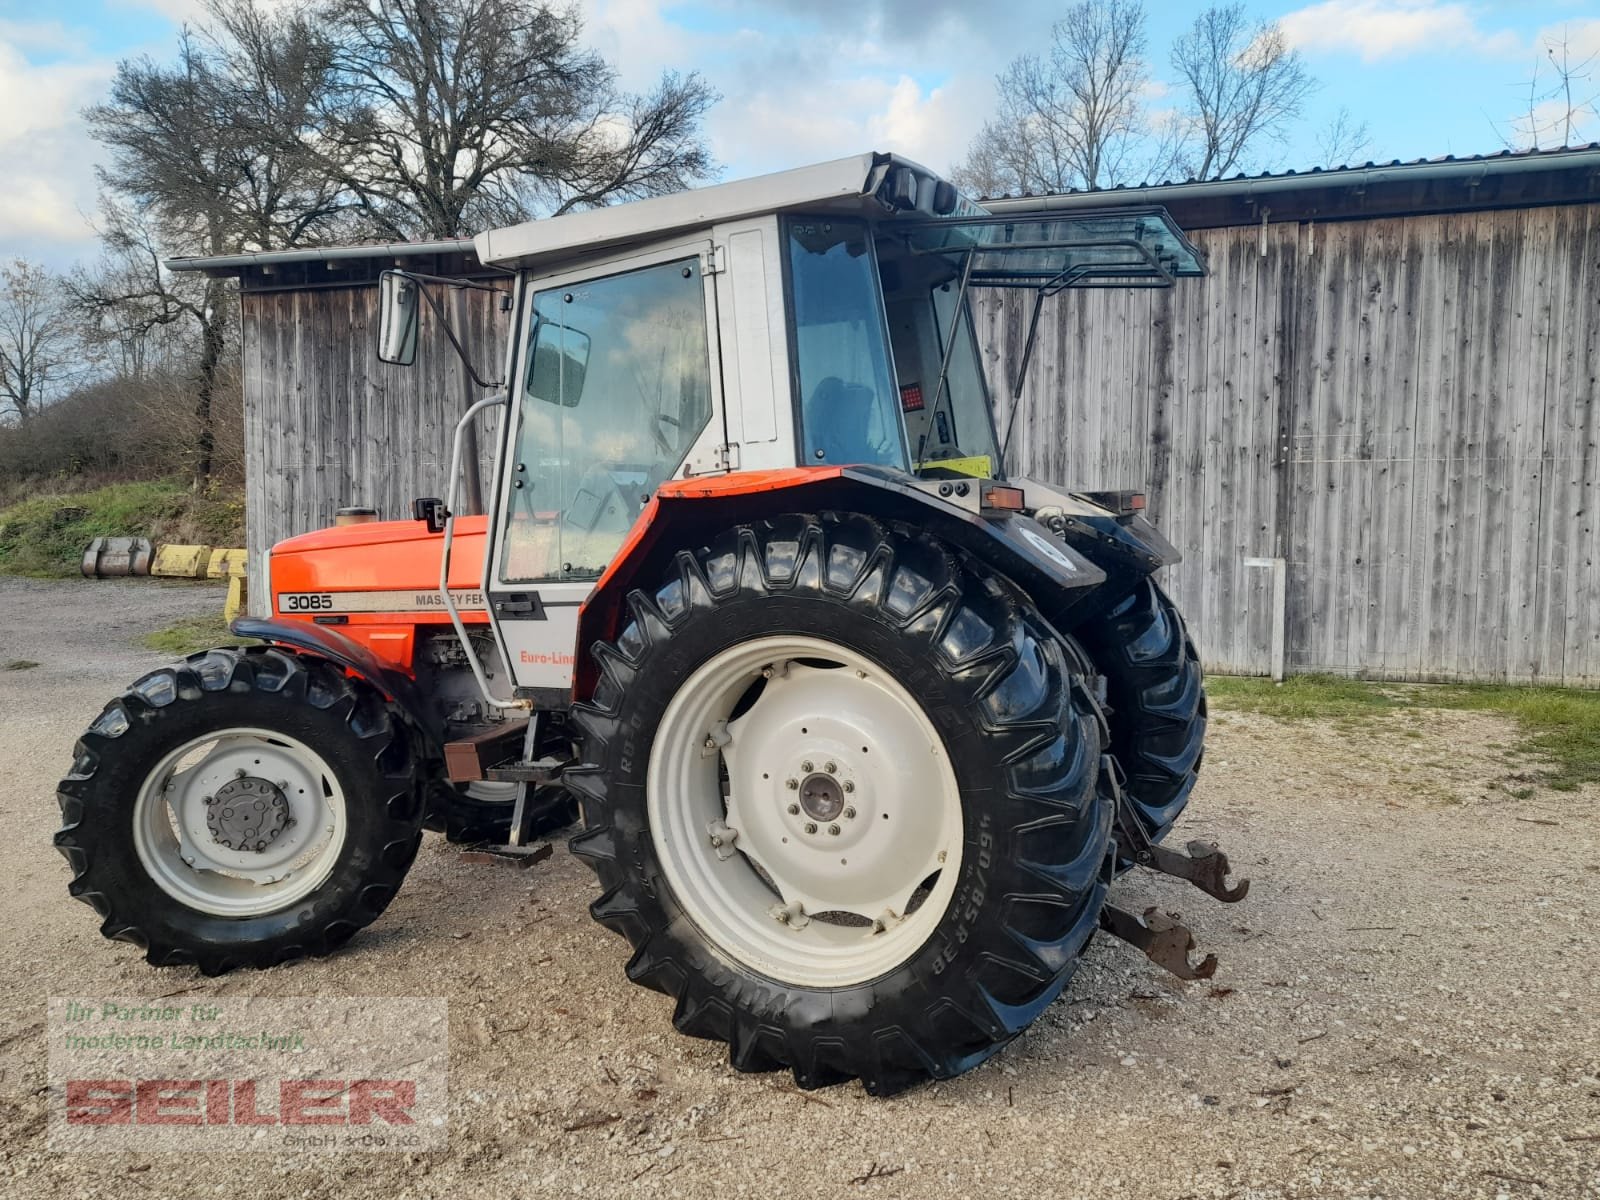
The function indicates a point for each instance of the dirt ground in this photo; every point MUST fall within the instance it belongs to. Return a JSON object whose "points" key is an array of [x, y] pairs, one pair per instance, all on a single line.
{"points": [[1407, 1004]]}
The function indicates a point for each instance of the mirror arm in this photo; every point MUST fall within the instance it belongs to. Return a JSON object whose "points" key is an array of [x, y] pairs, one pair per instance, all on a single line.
{"points": [[444, 322]]}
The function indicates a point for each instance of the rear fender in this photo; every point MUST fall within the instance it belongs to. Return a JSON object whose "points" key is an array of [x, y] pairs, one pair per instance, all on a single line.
{"points": [[688, 513], [1127, 547], [354, 657]]}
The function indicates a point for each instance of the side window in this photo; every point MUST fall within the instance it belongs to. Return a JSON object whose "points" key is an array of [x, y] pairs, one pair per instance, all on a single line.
{"points": [[848, 410], [617, 388]]}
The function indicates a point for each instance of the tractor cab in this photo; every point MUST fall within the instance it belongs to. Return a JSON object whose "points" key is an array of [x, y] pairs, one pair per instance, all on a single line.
{"points": [[819, 318]]}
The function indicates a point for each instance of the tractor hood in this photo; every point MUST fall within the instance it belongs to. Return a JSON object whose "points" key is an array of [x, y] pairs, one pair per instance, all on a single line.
{"points": [[378, 556]]}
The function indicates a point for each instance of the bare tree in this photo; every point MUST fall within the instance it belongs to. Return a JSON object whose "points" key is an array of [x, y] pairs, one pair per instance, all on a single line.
{"points": [[442, 117], [209, 145], [1242, 83], [134, 306], [1072, 118], [1560, 99], [39, 352], [1343, 140]]}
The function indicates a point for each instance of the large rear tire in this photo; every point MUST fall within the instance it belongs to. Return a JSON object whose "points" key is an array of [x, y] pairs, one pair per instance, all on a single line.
{"points": [[815, 692], [1156, 693], [243, 808]]}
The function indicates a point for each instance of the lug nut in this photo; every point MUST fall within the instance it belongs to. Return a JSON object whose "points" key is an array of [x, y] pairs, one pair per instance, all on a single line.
{"points": [[794, 809], [833, 829], [811, 826], [849, 814], [848, 786], [806, 766], [792, 784], [831, 768]]}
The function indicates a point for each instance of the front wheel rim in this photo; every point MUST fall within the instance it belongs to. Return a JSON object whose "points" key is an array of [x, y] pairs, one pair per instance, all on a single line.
{"points": [[240, 822], [805, 811]]}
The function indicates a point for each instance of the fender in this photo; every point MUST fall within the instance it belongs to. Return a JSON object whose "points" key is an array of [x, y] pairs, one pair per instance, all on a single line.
{"points": [[1126, 546], [689, 512], [354, 657]]}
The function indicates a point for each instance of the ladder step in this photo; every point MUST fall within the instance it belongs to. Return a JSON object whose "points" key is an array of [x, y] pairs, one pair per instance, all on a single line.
{"points": [[540, 770]]}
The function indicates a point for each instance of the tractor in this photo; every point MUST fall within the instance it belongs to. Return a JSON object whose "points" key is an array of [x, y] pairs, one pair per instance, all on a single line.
{"points": [[857, 727]]}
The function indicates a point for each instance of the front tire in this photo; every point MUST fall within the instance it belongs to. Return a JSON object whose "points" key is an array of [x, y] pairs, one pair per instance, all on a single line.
{"points": [[243, 808], [829, 641]]}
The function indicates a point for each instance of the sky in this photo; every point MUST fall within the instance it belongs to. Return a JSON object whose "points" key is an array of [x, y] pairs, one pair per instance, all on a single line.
{"points": [[807, 80]]}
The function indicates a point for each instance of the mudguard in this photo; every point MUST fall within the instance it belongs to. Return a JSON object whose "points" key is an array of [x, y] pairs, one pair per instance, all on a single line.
{"points": [[1124, 545], [351, 655], [1056, 577]]}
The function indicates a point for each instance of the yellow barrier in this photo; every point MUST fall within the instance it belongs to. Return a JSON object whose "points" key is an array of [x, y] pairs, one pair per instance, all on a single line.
{"points": [[181, 562], [225, 563], [235, 602]]}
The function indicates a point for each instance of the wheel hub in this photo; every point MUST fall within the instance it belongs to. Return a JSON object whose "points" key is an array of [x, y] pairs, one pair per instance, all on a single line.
{"points": [[821, 797], [247, 814]]}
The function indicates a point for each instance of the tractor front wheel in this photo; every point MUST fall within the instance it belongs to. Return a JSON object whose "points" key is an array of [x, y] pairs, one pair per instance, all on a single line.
{"points": [[244, 808], [842, 800]]}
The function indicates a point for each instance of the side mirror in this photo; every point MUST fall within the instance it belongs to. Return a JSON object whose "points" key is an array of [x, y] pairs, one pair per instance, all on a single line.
{"points": [[397, 318], [558, 363]]}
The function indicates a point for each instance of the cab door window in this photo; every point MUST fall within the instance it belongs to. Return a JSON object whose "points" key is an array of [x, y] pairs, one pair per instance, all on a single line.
{"points": [[616, 389]]}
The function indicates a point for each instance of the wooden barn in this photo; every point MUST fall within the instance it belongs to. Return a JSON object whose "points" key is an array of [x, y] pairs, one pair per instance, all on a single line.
{"points": [[1384, 395], [1372, 431]]}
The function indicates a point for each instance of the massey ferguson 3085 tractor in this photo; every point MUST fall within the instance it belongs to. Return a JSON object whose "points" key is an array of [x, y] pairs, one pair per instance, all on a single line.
{"points": [[857, 727]]}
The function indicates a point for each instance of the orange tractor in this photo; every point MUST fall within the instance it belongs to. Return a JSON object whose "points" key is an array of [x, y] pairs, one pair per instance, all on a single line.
{"points": [[857, 727]]}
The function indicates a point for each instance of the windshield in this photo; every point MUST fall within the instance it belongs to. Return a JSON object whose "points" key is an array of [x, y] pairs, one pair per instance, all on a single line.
{"points": [[842, 367]]}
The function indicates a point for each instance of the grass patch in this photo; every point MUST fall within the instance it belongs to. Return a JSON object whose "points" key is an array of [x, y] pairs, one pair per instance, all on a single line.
{"points": [[1301, 697], [192, 634], [45, 536], [1560, 726]]}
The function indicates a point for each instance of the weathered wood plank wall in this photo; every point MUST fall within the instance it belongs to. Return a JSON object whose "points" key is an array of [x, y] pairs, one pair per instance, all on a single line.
{"points": [[1404, 409], [328, 425]]}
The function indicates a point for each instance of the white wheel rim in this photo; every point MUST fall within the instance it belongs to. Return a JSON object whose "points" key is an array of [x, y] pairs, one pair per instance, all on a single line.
{"points": [[491, 791], [842, 907], [249, 865]]}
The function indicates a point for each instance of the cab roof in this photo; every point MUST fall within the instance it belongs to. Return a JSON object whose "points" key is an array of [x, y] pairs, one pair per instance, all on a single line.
{"points": [[868, 184]]}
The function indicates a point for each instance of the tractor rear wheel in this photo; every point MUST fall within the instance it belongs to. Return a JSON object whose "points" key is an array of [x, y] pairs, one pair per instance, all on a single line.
{"points": [[1156, 693], [243, 808], [842, 798]]}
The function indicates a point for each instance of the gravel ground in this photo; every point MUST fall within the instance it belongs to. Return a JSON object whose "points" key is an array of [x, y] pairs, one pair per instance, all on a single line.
{"points": [[1407, 1004]]}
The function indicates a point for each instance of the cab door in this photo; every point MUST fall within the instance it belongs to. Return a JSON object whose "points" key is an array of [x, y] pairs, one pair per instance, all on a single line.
{"points": [[618, 391]]}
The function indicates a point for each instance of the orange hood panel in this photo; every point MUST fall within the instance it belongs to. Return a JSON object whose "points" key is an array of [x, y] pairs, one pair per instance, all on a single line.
{"points": [[378, 556]]}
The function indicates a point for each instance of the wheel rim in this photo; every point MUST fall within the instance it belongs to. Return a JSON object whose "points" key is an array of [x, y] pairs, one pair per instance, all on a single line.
{"points": [[240, 822], [491, 791], [805, 811]]}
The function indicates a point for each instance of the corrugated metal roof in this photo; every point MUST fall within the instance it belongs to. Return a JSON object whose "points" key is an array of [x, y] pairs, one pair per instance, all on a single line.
{"points": [[233, 263], [1330, 176]]}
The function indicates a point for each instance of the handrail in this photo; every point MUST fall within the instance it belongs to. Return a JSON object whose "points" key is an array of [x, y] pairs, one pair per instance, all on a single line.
{"points": [[451, 488]]}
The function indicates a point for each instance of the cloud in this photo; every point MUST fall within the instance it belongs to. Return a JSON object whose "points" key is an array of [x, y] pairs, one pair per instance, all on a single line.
{"points": [[50, 182], [803, 82], [1377, 29]]}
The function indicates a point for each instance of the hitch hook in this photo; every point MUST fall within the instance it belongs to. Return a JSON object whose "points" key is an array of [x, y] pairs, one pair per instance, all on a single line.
{"points": [[1166, 941], [1205, 866]]}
